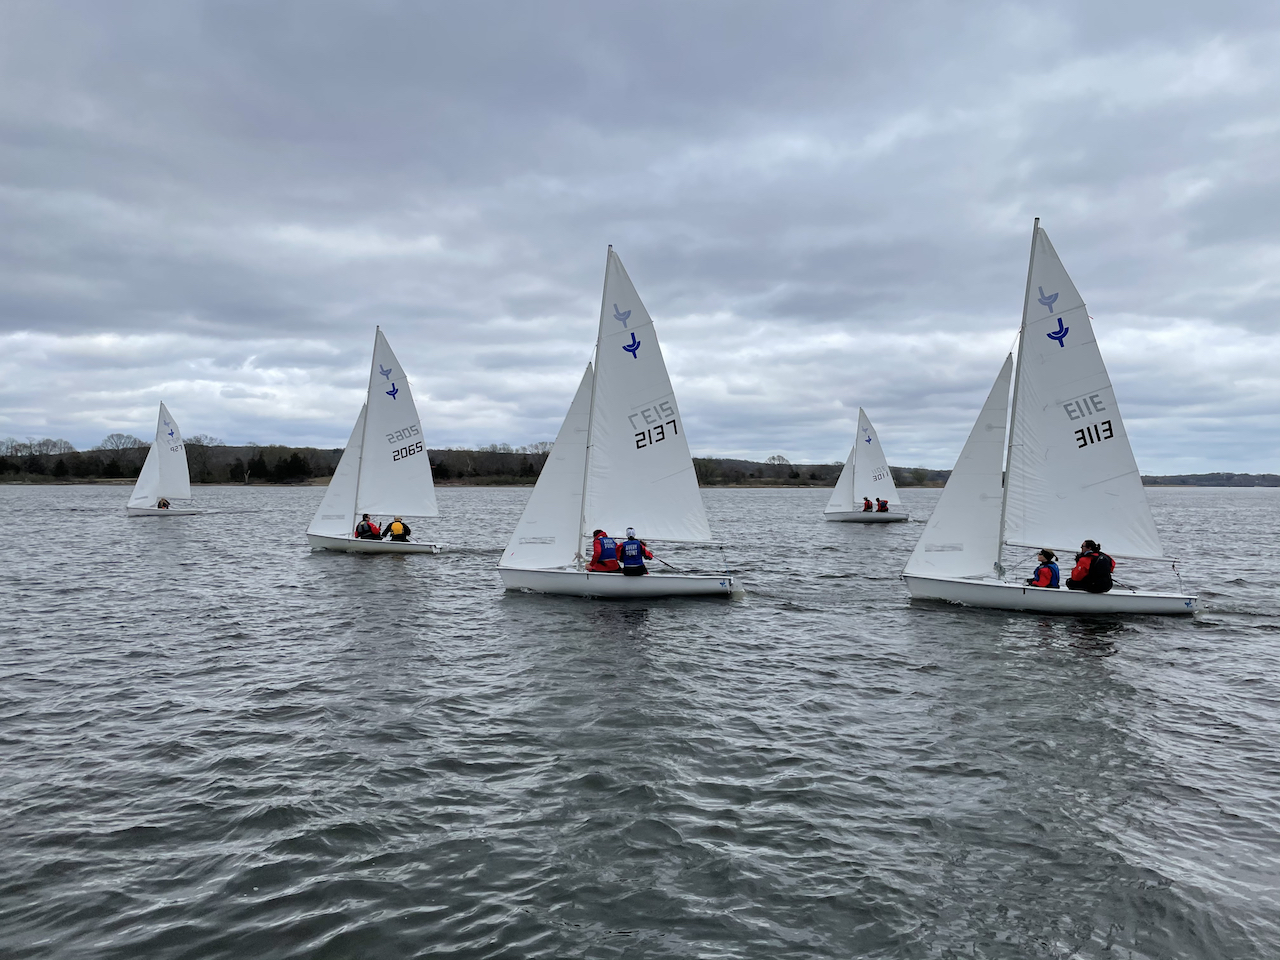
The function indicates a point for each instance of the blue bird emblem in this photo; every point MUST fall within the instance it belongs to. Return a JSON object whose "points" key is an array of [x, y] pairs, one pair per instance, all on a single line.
{"points": [[1188, 604], [621, 316], [392, 392], [1049, 300], [1060, 334], [868, 439], [633, 346], [385, 371], [171, 433]]}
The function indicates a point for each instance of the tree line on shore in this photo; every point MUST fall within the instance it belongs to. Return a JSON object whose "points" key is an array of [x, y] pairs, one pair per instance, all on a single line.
{"points": [[120, 457]]}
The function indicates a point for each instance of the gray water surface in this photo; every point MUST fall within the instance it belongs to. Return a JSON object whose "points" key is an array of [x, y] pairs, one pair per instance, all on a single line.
{"points": [[216, 743]]}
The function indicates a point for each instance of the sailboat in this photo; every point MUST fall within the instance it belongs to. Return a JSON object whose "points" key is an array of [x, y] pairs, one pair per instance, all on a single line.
{"points": [[620, 460], [164, 474], [384, 470], [865, 475], [1069, 471]]}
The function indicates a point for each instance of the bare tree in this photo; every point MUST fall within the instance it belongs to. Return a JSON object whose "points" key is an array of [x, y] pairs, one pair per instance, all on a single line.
{"points": [[204, 440], [120, 441], [540, 446], [778, 459], [49, 445]]}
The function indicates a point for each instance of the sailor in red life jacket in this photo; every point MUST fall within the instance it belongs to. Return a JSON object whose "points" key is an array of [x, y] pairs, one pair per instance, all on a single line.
{"points": [[1046, 574], [366, 529], [882, 506], [604, 553], [634, 553], [1092, 572], [866, 505]]}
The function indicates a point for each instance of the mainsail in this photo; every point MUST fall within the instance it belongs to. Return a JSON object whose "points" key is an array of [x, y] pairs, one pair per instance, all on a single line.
{"points": [[547, 534], [962, 538], [385, 469], [639, 471], [621, 459], [164, 473], [1072, 474], [865, 474]]}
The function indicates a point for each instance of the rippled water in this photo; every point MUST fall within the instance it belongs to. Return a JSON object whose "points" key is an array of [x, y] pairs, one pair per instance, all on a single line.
{"points": [[215, 743]]}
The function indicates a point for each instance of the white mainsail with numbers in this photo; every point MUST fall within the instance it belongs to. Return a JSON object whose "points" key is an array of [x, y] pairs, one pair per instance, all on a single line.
{"points": [[1069, 471], [865, 474], [385, 470], [621, 460]]}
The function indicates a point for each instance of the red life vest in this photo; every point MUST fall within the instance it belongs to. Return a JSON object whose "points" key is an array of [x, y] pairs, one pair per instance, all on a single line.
{"points": [[866, 505]]}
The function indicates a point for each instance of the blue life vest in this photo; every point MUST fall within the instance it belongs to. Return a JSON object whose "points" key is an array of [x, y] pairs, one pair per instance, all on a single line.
{"points": [[1053, 573], [632, 555], [608, 548]]}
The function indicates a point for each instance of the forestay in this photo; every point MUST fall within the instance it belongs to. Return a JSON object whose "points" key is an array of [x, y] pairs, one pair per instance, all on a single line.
{"points": [[164, 473], [962, 536], [547, 534], [639, 471], [1072, 474], [336, 516], [395, 471]]}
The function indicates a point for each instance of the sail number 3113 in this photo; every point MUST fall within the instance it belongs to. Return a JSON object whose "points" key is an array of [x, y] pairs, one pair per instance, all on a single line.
{"points": [[1094, 433]]}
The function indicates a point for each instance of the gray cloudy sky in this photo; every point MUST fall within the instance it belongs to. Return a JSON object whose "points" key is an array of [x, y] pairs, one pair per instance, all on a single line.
{"points": [[822, 205]]}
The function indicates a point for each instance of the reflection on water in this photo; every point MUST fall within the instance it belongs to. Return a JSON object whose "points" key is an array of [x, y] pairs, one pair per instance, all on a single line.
{"points": [[220, 744]]}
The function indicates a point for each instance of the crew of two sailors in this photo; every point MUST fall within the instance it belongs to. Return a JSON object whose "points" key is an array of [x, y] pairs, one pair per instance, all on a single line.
{"points": [[368, 529], [882, 506], [1092, 572], [610, 556]]}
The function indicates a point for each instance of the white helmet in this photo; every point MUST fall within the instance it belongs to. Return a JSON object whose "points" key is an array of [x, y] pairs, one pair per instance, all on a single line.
{"points": [[631, 533]]}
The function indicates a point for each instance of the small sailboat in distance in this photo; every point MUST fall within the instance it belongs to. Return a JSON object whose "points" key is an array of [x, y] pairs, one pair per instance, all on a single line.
{"points": [[865, 476], [1069, 472], [620, 460], [384, 470], [164, 475]]}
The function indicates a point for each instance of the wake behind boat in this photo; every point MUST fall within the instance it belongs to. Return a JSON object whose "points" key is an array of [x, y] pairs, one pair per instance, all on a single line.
{"points": [[865, 479], [620, 460], [165, 475], [1069, 471], [384, 470]]}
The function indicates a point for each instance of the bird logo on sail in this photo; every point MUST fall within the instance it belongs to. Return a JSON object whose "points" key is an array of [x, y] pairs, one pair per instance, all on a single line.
{"points": [[621, 315], [392, 392], [1048, 300], [385, 371], [633, 346], [1060, 334]]}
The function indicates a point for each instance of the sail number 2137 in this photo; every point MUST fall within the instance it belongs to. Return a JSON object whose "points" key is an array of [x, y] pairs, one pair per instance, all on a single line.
{"points": [[654, 424]]}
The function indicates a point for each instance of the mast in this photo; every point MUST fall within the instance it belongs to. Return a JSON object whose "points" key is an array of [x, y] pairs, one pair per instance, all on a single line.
{"points": [[591, 412], [1013, 411], [364, 427]]}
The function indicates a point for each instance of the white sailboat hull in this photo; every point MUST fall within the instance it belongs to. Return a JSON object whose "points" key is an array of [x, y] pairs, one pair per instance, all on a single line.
{"points": [[355, 545], [581, 583], [157, 512], [1002, 595], [864, 516]]}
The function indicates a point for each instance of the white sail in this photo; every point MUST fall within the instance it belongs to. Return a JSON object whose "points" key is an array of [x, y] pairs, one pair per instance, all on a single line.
{"points": [[547, 534], [395, 471], [962, 538], [871, 476], [1072, 475], [164, 472], [336, 515], [842, 496], [639, 471]]}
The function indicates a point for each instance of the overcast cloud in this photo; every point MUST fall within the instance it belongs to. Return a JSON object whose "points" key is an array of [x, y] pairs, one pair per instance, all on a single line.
{"points": [[822, 205]]}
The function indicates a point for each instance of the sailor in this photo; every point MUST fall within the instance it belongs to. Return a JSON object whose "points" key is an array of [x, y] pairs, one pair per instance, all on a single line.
{"points": [[1092, 572], [1046, 574], [604, 552], [398, 530], [162, 504], [866, 505], [366, 529], [634, 553], [882, 506]]}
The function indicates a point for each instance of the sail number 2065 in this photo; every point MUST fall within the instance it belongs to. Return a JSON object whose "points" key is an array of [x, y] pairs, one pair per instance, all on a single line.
{"points": [[408, 451]]}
